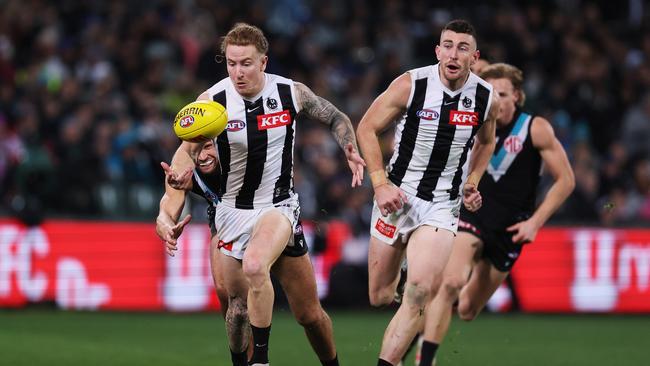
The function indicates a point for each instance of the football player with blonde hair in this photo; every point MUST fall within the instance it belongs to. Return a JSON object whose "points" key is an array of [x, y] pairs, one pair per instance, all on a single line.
{"points": [[259, 210]]}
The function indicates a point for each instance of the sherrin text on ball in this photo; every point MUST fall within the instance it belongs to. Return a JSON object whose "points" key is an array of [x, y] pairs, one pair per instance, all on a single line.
{"points": [[199, 120]]}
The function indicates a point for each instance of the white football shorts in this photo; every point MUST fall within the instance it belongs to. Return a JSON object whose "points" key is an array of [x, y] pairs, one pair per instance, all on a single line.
{"points": [[235, 225], [441, 213]]}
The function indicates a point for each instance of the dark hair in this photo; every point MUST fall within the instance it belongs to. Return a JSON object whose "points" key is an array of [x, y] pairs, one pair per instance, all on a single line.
{"points": [[243, 34], [460, 26]]}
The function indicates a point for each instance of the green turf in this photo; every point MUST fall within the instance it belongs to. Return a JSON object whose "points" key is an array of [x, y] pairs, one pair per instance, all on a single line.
{"points": [[50, 337]]}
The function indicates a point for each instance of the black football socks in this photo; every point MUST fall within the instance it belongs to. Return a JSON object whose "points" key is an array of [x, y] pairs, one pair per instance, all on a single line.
{"points": [[238, 359], [428, 353], [383, 363], [333, 362], [260, 344]]}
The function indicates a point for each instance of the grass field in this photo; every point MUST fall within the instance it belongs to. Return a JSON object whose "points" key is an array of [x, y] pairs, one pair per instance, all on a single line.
{"points": [[52, 337]]}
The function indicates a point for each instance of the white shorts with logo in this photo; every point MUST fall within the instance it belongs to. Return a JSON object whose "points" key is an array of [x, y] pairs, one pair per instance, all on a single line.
{"points": [[441, 213], [235, 225]]}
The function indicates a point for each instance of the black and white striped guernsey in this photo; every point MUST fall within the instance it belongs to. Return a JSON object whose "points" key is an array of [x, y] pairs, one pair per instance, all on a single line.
{"points": [[256, 150], [433, 138]]}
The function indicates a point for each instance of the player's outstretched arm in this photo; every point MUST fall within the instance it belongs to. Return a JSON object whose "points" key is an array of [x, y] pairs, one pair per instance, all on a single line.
{"points": [[178, 181], [482, 151], [322, 110], [179, 174], [167, 226], [384, 110], [557, 163]]}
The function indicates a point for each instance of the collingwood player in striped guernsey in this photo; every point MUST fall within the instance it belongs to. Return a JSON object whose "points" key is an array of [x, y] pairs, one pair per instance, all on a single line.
{"points": [[440, 109], [508, 218], [259, 209]]}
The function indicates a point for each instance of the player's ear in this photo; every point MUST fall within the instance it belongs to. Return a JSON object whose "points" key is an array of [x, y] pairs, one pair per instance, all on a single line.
{"points": [[475, 57], [518, 97], [438, 52], [265, 59]]}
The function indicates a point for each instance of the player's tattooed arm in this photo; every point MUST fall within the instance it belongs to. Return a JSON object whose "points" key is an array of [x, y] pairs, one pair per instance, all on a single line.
{"points": [[322, 110]]}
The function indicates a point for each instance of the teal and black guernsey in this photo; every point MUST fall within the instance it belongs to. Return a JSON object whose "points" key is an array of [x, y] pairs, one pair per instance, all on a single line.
{"points": [[509, 185]]}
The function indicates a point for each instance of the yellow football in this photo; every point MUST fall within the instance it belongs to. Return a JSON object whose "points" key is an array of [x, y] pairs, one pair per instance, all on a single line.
{"points": [[200, 120]]}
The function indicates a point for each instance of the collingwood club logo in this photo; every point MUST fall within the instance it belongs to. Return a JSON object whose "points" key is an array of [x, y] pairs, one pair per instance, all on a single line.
{"points": [[467, 103], [271, 103]]}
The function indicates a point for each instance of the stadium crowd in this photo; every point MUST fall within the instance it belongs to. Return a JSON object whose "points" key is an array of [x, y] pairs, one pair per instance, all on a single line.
{"points": [[88, 91]]}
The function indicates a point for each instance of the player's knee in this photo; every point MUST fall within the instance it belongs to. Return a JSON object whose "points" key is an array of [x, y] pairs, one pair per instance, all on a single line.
{"points": [[467, 311], [451, 287], [237, 311], [255, 271], [309, 316], [380, 297], [417, 295], [220, 289]]}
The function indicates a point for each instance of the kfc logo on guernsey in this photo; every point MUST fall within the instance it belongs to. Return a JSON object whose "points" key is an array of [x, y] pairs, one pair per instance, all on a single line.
{"points": [[186, 121], [235, 125], [463, 118], [427, 114], [273, 120]]}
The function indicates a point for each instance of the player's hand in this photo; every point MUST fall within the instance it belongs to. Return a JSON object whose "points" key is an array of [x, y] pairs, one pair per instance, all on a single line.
{"points": [[182, 181], [524, 231], [472, 197], [356, 164], [170, 234], [389, 198]]}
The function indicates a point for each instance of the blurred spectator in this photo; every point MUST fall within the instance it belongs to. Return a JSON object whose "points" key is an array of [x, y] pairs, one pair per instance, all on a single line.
{"points": [[636, 127], [581, 206], [12, 153], [641, 192]]}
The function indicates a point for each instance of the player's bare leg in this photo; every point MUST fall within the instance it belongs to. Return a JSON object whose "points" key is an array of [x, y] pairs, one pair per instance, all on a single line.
{"points": [[427, 253], [455, 276], [270, 236], [296, 275], [237, 325], [484, 281], [384, 263], [222, 291], [217, 276]]}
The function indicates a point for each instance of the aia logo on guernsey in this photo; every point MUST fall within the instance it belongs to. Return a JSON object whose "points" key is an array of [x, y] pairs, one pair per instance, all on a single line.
{"points": [[235, 125], [186, 121], [463, 118], [385, 229], [513, 144], [427, 114], [273, 120]]}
